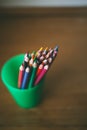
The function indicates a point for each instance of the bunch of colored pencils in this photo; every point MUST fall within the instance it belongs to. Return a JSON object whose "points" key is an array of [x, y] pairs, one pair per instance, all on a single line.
{"points": [[35, 66]]}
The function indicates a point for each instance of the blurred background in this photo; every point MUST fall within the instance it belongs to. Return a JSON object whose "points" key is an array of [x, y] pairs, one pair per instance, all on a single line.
{"points": [[43, 3], [26, 25], [34, 23]]}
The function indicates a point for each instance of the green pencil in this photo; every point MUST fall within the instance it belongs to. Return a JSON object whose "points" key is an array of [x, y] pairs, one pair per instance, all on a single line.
{"points": [[33, 75]]}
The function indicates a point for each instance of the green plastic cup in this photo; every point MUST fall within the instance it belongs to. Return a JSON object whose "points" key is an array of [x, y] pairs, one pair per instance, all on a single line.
{"points": [[25, 98]]}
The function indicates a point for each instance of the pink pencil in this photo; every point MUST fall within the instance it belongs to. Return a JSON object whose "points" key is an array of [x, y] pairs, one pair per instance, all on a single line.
{"points": [[41, 75]]}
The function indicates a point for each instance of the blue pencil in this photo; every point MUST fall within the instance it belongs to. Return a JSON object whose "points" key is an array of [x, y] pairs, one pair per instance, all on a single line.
{"points": [[25, 78]]}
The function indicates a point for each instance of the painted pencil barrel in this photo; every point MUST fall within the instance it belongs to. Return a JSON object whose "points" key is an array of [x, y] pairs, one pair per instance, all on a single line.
{"points": [[25, 78], [41, 75], [39, 69], [32, 78], [20, 76]]}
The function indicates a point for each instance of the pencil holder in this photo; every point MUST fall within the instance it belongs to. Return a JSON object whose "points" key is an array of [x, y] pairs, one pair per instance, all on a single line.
{"points": [[25, 98]]}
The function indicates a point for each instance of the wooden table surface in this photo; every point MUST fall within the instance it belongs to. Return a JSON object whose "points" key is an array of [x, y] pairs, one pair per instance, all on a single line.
{"points": [[64, 106]]}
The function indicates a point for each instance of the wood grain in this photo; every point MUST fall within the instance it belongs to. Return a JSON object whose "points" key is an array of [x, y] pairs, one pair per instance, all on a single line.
{"points": [[64, 105]]}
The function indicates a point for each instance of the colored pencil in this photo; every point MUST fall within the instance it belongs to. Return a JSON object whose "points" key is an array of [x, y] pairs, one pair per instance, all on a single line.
{"points": [[26, 61], [25, 78], [33, 74], [20, 76], [41, 75], [39, 69]]}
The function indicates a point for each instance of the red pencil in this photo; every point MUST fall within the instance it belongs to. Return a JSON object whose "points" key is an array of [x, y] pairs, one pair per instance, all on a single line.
{"points": [[39, 69], [20, 76]]}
